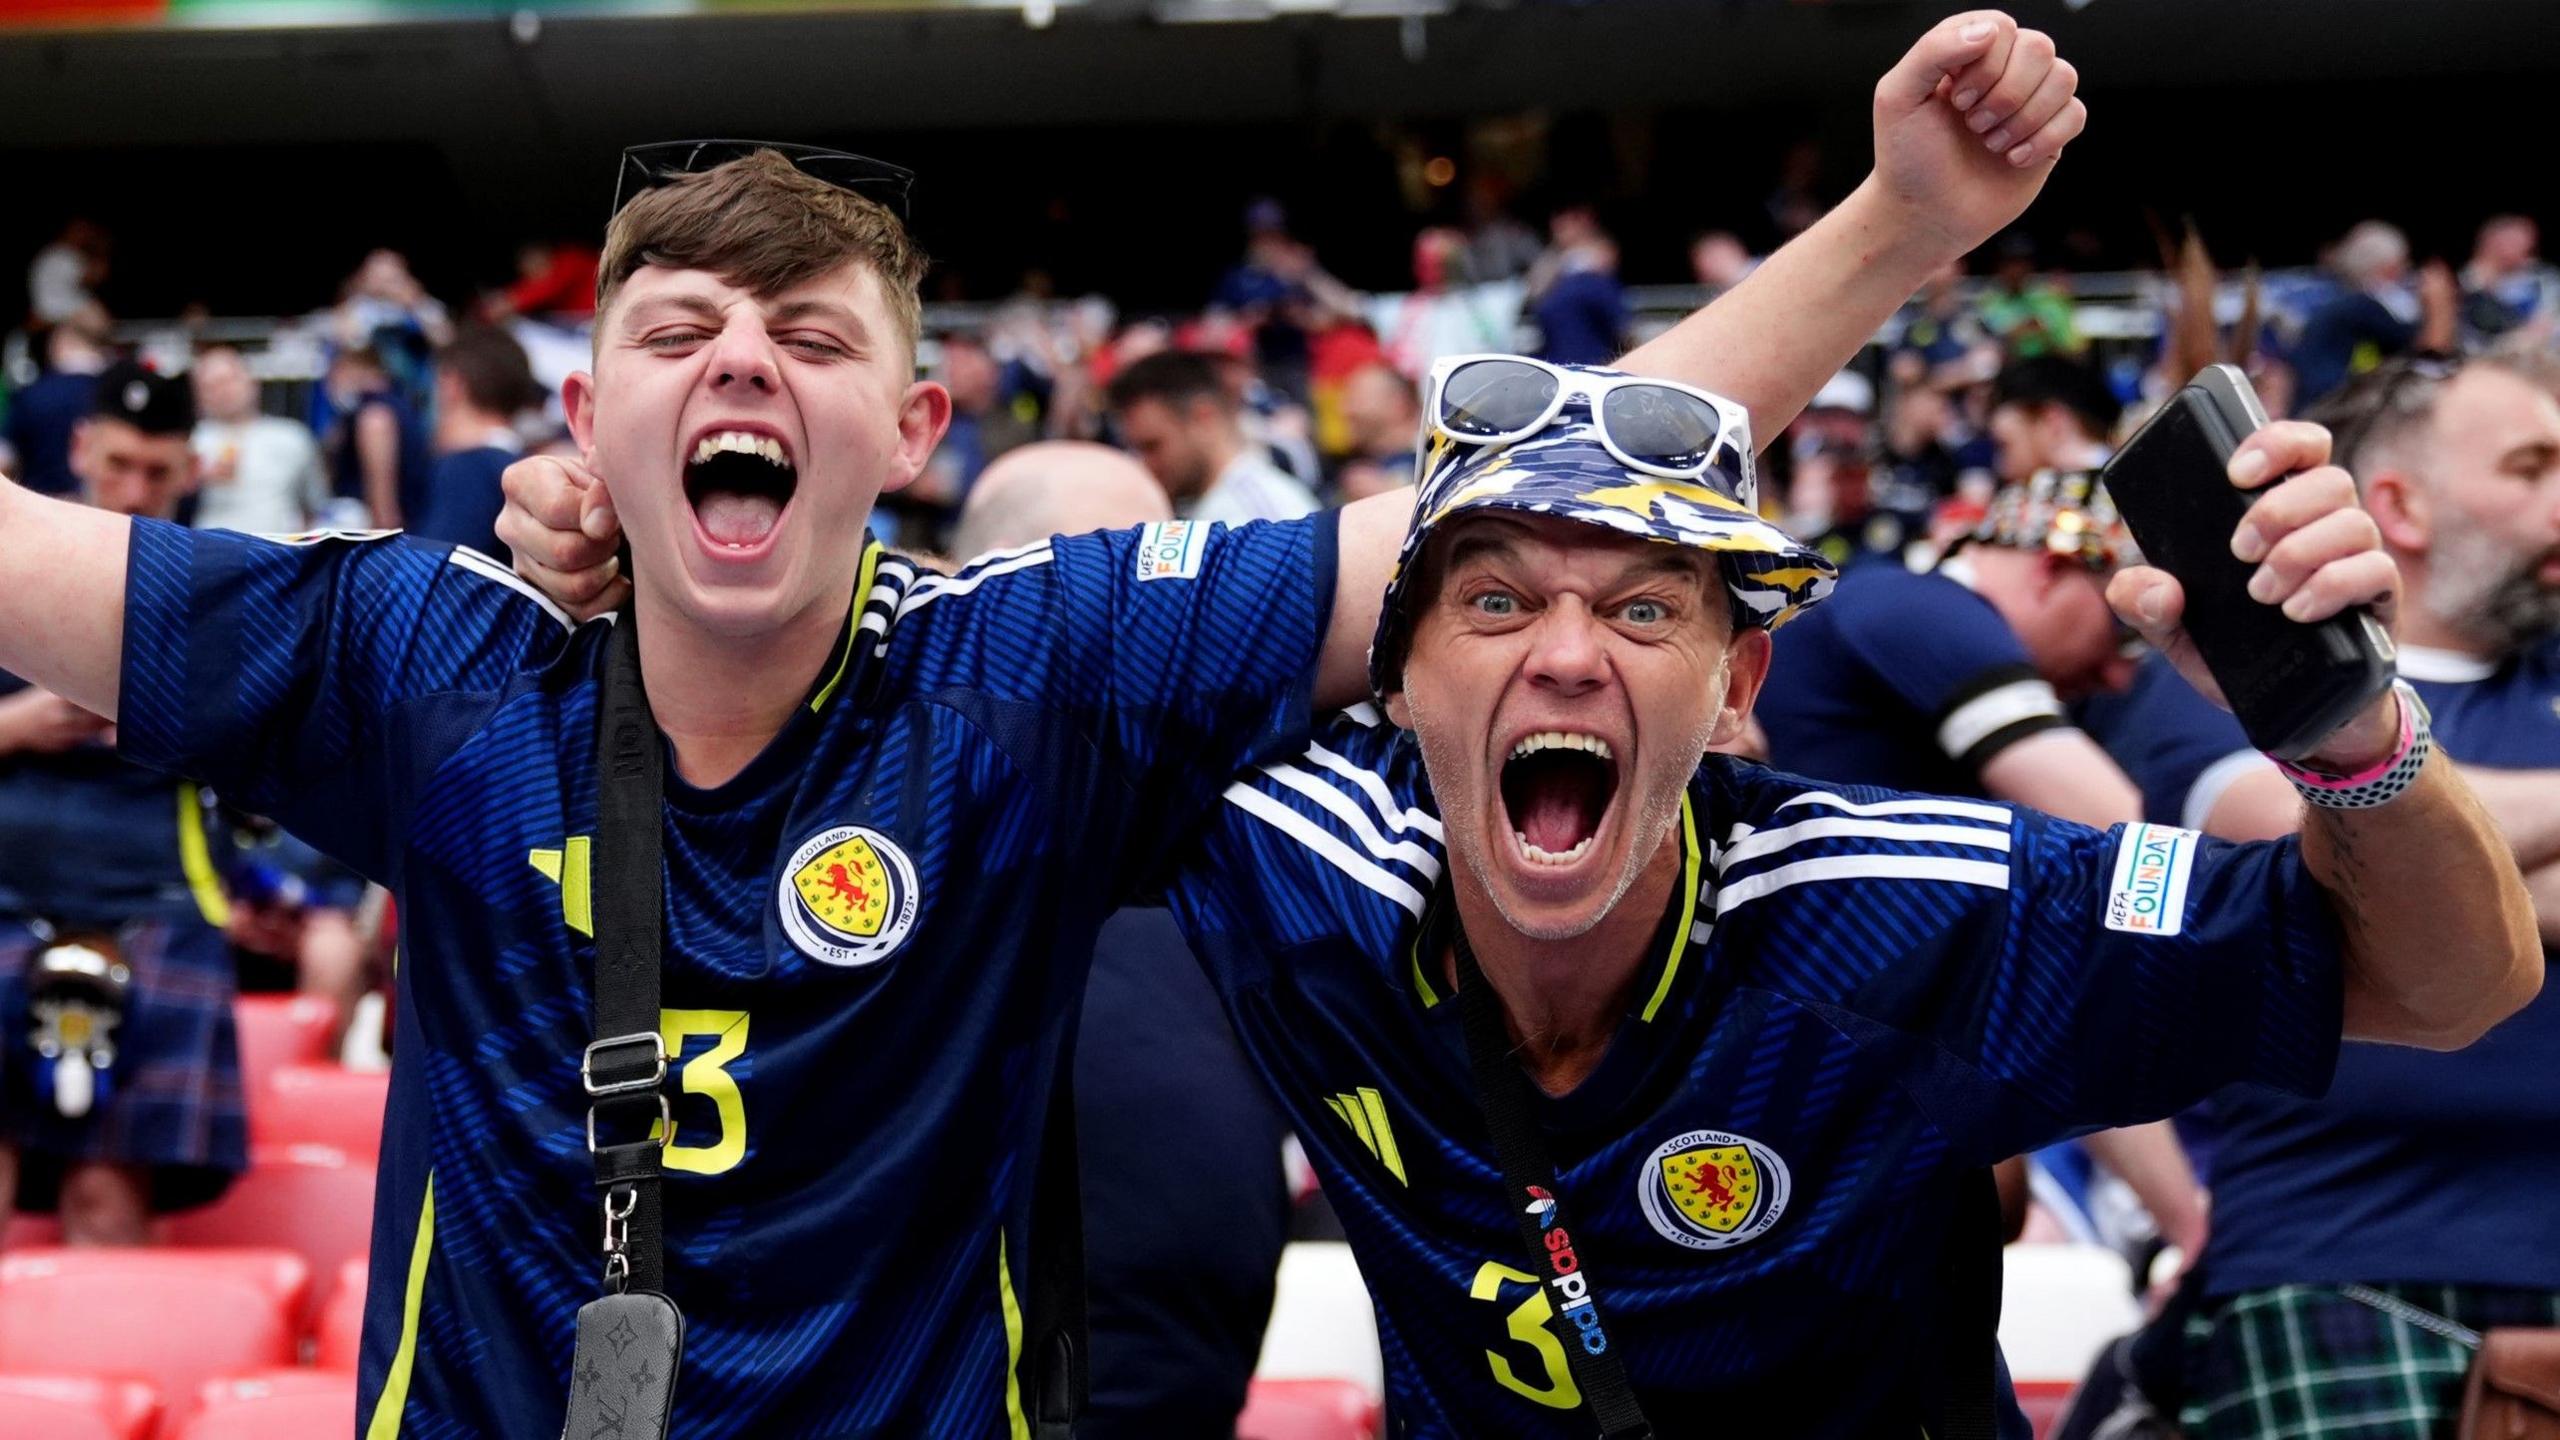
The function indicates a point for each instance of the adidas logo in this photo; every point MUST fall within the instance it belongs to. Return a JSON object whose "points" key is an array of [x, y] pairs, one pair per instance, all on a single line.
{"points": [[1365, 1111]]}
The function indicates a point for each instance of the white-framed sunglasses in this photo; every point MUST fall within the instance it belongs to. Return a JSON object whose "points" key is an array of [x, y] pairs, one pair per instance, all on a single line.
{"points": [[1658, 427]]}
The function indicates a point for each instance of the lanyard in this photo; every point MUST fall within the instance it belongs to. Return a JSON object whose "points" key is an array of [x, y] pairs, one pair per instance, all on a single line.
{"points": [[1964, 1395], [1536, 1203]]}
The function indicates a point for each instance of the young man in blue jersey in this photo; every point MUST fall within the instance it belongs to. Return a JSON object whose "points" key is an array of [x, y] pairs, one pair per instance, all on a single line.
{"points": [[897, 807], [2349, 1228]]}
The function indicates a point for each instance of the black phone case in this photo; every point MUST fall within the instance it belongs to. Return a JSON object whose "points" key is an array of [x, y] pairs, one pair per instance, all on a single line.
{"points": [[2290, 685]]}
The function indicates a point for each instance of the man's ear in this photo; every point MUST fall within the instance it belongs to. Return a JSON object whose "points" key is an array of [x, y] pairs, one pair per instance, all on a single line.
{"points": [[923, 416], [2398, 505], [1746, 670], [1397, 710], [578, 403]]}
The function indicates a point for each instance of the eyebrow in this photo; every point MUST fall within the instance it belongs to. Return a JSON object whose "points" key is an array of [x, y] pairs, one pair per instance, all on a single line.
{"points": [[832, 311], [698, 306]]}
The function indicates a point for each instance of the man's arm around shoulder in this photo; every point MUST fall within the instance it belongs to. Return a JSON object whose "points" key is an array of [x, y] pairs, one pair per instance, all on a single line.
{"points": [[62, 575]]}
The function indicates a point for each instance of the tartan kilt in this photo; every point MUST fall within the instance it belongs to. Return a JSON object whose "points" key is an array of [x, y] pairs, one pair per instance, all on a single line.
{"points": [[2305, 1362], [175, 1109]]}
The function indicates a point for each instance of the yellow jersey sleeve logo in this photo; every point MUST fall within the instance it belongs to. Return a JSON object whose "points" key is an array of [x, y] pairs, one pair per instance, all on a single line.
{"points": [[1709, 1190], [848, 896]]}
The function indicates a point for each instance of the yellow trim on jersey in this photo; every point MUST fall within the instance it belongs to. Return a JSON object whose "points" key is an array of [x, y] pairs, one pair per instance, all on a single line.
{"points": [[852, 626], [1688, 906], [1421, 986], [1019, 1428], [395, 1385], [196, 859], [1365, 1111]]}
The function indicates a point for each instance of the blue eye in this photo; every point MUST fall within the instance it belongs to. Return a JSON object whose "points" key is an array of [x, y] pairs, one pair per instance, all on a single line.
{"points": [[1646, 612], [1494, 602]]}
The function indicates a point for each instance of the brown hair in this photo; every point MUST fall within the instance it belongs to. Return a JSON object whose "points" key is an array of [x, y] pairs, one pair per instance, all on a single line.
{"points": [[762, 224]]}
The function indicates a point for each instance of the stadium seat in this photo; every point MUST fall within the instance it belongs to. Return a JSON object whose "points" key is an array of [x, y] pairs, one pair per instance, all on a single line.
{"points": [[2044, 1401], [171, 1317], [321, 1105], [1322, 1326], [2060, 1305], [1307, 1410], [312, 1200], [274, 1405], [276, 1031], [76, 1407], [341, 1331], [26, 1232]]}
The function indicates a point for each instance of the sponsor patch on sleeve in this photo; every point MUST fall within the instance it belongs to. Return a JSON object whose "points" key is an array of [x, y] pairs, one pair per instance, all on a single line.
{"points": [[1171, 550], [2149, 893]]}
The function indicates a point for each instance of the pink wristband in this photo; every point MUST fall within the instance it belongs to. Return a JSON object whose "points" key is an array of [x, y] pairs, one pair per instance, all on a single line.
{"points": [[2323, 780], [2379, 784]]}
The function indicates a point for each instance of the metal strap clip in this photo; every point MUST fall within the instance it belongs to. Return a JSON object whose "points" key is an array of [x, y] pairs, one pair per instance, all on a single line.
{"points": [[657, 1054]]}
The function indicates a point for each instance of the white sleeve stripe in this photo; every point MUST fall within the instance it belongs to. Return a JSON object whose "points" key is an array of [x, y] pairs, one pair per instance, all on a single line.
{"points": [[925, 591], [1326, 846], [1372, 785], [1959, 809], [1861, 867], [1994, 710], [488, 569], [1332, 799], [2209, 787], [1750, 846], [1007, 553], [1363, 714]]}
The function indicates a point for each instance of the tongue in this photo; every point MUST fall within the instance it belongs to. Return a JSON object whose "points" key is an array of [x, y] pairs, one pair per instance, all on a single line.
{"points": [[733, 519], [1551, 814]]}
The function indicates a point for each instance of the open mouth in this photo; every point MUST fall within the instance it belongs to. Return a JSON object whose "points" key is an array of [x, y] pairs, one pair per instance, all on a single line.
{"points": [[1557, 788], [739, 483]]}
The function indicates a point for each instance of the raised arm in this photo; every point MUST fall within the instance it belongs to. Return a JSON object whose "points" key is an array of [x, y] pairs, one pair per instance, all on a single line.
{"points": [[2440, 937], [62, 596]]}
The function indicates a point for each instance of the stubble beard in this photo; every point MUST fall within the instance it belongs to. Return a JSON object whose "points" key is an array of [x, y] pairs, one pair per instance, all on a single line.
{"points": [[2479, 586]]}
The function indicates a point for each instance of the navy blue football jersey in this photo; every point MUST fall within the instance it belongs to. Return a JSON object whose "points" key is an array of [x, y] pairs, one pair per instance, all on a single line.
{"points": [[1901, 679], [1856, 1000], [89, 838], [875, 936], [2181, 750], [2428, 1168]]}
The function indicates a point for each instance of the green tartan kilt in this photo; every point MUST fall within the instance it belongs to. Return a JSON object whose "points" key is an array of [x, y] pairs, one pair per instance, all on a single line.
{"points": [[2305, 1362]]}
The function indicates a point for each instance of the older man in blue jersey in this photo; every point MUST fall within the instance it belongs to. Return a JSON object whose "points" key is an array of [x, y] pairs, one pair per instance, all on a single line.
{"points": [[1772, 1030], [895, 807]]}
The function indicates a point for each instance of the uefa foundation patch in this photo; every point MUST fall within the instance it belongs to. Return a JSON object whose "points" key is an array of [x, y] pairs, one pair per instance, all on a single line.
{"points": [[848, 896], [1709, 1190], [2149, 893], [1171, 550]]}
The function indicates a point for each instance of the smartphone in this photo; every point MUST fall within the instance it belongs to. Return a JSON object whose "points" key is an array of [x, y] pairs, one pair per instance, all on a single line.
{"points": [[2290, 685]]}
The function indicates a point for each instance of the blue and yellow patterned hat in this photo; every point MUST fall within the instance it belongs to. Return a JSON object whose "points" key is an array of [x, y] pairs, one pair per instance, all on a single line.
{"points": [[1564, 471]]}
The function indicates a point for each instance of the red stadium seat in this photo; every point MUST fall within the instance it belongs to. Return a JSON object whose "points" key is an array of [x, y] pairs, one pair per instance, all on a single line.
{"points": [[1307, 1410], [27, 1232], [275, 1405], [309, 1199], [321, 1105], [2044, 1401], [276, 1031], [173, 1318], [341, 1333], [76, 1407]]}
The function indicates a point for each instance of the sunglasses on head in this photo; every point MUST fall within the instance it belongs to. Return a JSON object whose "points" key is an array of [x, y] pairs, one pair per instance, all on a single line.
{"points": [[2405, 383], [646, 167], [1658, 427]]}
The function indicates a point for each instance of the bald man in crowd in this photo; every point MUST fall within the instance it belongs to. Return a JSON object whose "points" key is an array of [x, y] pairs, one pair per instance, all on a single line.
{"points": [[1186, 1204]]}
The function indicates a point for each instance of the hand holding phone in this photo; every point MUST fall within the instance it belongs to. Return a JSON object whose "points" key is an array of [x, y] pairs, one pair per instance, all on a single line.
{"points": [[2292, 682]]}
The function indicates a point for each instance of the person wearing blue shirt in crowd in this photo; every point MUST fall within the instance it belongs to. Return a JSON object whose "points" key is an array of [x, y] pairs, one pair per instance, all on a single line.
{"points": [[1574, 296], [44, 413], [97, 851], [483, 384], [2348, 1229], [378, 446]]}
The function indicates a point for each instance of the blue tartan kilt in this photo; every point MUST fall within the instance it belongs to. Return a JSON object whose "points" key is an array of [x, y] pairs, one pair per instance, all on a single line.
{"points": [[174, 1107]]}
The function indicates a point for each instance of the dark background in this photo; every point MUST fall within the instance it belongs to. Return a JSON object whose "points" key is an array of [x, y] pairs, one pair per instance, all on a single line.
{"points": [[248, 170]]}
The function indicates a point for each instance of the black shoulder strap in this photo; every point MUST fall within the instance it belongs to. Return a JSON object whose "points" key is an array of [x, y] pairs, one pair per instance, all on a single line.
{"points": [[1536, 1203], [1969, 1373], [1056, 1327], [627, 1061]]}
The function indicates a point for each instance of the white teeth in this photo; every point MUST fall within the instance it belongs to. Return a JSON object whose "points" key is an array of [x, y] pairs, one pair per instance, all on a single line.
{"points": [[763, 447], [1549, 857], [1559, 740]]}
